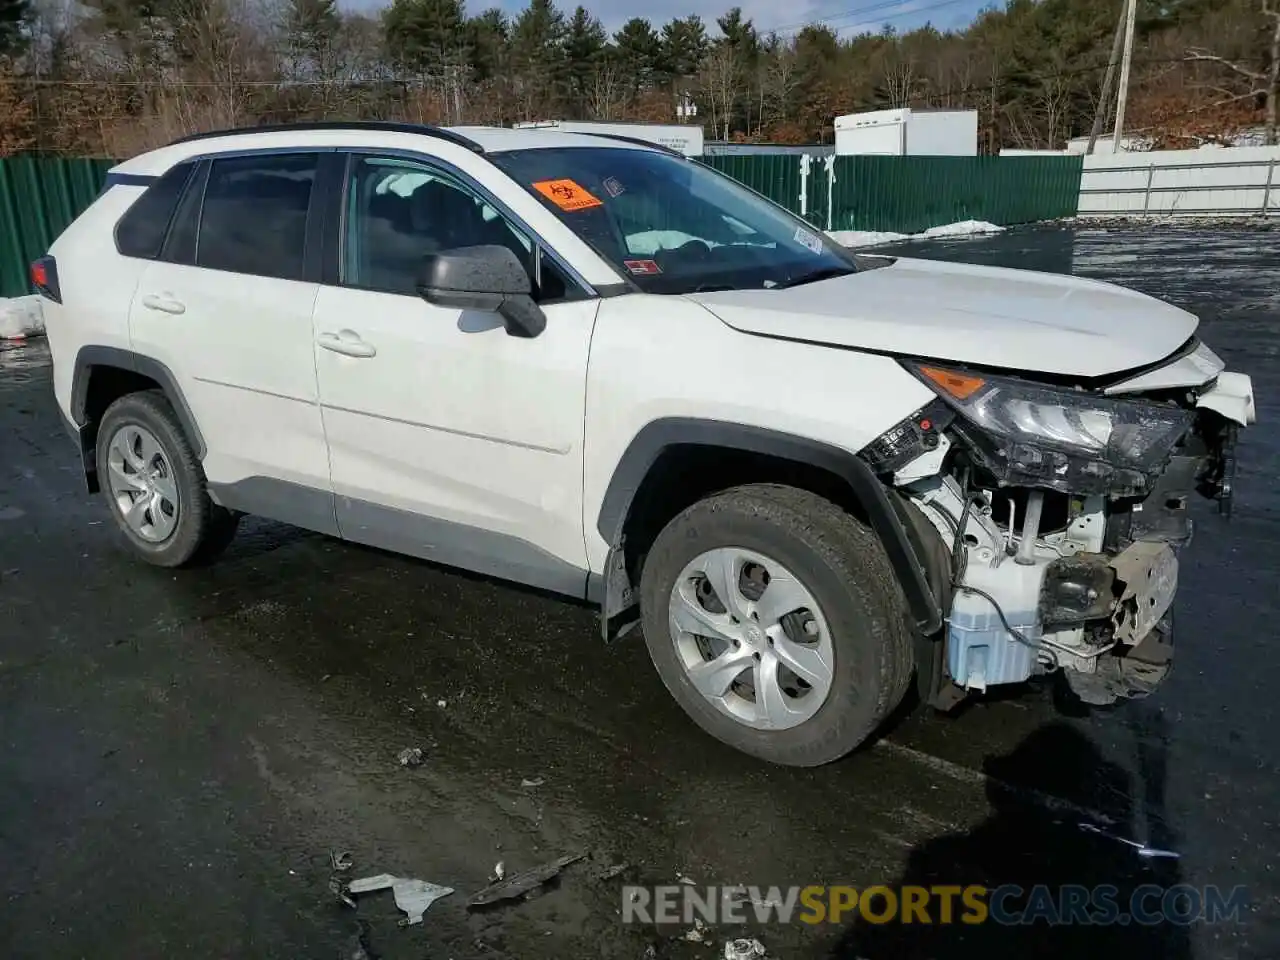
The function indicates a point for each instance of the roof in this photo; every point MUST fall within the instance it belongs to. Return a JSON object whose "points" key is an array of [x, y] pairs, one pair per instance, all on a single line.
{"points": [[374, 135]]}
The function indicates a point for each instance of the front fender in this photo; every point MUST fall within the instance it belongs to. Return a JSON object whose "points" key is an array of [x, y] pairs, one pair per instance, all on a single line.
{"points": [[886, 517]]}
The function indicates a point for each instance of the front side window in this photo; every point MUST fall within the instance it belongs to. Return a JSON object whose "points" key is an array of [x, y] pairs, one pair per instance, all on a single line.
{"points": [[254, 217], [399, 211], [673, 225]]}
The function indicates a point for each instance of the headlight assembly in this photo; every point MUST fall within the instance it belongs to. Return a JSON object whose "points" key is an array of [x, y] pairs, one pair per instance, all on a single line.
{"points": [[1028, 434]]}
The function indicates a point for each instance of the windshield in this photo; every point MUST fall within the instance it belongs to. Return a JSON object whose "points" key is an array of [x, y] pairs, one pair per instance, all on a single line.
{"points": [[671, 224]]}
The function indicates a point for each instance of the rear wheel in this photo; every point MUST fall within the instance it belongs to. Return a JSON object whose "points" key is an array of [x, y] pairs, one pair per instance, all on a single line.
{"points": [[774, 618], [155, 485]]}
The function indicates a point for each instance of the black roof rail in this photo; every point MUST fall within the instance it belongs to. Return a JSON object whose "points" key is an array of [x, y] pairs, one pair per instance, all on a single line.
{"points": [[660, 147], [388, 126]]}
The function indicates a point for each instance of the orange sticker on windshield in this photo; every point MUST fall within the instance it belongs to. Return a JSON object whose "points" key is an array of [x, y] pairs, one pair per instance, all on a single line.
{"points": [[568, 195]]}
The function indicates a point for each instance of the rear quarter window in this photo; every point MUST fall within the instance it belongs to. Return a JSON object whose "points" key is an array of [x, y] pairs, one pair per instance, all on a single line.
{"points": [[141, 231]]}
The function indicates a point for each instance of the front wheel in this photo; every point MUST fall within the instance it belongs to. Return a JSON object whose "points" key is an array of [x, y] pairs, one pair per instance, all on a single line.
{"points": [[774, 618]]}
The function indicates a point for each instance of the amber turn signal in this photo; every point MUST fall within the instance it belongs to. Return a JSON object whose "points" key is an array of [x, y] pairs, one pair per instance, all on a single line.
{"points": [[961, 386]]}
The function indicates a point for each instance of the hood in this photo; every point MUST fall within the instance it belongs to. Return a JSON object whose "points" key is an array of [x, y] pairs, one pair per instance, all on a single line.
{"points": [[990, 316]]}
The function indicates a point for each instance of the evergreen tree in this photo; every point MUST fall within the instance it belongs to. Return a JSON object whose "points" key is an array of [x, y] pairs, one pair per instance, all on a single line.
{"points": [[14, 15]]}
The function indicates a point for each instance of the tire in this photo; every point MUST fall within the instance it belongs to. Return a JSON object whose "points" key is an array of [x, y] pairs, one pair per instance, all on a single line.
{"points": [[183, 526], [860, 633]]}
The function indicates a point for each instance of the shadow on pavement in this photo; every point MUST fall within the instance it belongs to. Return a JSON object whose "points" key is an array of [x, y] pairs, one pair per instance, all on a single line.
{"points": [[1030, 844]]}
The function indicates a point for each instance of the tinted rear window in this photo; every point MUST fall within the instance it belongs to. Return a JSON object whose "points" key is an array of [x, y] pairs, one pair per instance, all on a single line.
{"points": [[254, 218], [141, 231]]}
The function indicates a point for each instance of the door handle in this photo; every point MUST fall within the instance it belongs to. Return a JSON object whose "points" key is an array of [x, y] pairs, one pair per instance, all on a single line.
{"points": [[165, 303], [347, 343]]}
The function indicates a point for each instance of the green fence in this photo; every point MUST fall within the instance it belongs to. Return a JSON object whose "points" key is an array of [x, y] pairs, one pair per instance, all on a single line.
{"points": [[39, 196], [777, 176], [911, 194]]}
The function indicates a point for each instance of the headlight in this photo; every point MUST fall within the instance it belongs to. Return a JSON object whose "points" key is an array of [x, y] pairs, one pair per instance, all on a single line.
{"points": [[1028, 434]]}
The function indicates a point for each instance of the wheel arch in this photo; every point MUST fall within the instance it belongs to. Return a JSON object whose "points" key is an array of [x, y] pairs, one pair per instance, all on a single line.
{"points": [[674, 460], [104, 374]]}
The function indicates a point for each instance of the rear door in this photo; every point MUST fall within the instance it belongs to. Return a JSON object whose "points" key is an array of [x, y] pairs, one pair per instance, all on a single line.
{"points": [[227, 307]]}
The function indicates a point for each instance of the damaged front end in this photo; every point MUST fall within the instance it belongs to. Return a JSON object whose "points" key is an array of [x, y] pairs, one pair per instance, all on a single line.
{"points": [[1062, 508]]}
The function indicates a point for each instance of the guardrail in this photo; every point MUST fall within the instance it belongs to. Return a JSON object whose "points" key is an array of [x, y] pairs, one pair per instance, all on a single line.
{"points": [[1182, 183]]}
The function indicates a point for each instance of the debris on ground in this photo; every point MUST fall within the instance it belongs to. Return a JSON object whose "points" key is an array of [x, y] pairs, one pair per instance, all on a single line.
{"points": [[697, 934], [537, 782], [1141, 849], [499, 872], [412, 896], [616, 870], [340, 860], [410, 757], [743, 950], [687, 881], [521, 883], [442, 704]]}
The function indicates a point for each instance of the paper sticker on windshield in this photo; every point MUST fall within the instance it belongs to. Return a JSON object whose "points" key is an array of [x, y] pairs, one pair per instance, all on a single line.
{"points": [[568, 195], [614, 187], [642, 268], [807, 239]]}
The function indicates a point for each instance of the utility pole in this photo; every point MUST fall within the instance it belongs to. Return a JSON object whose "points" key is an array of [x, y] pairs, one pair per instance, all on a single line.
{"points": [[1108, 82], [1130, 15]]}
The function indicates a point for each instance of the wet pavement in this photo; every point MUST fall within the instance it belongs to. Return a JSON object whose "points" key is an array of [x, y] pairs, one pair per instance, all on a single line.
{"points": [[180, 752]]}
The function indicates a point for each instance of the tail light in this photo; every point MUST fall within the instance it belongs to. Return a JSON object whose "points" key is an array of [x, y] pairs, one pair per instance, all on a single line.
{"points": [[44, 277]]}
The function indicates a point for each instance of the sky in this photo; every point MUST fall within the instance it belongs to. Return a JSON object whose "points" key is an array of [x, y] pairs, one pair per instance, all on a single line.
{"points": [[848, 17]]}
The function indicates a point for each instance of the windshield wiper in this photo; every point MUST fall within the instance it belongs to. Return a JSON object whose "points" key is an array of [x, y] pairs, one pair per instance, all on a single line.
{"points": [[826, 273]]}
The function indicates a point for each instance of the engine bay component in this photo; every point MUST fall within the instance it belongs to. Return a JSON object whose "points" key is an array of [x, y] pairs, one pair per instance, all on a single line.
{"points": [[1077, 589]]}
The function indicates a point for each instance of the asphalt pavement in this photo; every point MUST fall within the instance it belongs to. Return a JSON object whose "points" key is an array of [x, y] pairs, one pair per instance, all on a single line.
{"points": [[181, 752]]}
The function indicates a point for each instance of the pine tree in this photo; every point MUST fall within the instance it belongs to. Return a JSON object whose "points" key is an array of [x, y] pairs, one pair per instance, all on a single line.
{"points": [[14, 15], [584, 51]]}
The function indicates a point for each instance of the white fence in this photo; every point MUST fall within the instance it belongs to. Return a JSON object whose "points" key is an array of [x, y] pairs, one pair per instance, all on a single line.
{"points": [[1239, 181]]}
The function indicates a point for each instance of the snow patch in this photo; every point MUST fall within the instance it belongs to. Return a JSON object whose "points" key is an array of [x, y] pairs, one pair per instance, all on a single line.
{"points": [[965, 228], [21, 317], [872, 238], [865, 238]]}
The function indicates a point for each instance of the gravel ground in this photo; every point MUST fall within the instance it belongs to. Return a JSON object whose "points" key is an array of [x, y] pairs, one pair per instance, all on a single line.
{"points": [[181, 752]]}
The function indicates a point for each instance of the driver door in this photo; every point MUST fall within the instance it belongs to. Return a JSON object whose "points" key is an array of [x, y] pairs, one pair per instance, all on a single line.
{"points": [[450, 439]]}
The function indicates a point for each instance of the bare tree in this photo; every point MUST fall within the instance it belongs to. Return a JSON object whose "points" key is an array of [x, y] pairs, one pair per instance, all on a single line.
{"points": [[1258, 83], [719, 78], [607, 93], [779, 81]]}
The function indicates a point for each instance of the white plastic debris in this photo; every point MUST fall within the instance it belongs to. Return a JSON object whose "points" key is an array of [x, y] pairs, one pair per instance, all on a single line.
{"points": [[499, 872], [743, 950], [412, 896], [535, 782], [1149, 853], [698, 934], [21, 317], [410, 757]]}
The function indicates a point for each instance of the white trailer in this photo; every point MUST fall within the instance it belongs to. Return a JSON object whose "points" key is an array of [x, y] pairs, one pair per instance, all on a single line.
{"points": [[907, 132], [686, 138]]}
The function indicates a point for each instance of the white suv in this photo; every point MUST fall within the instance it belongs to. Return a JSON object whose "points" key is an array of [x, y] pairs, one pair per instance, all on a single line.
{"points": [[596, 367]]}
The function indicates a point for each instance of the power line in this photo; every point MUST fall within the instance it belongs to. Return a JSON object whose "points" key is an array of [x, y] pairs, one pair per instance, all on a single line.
{"points": [[855, 12], [904, 8]]}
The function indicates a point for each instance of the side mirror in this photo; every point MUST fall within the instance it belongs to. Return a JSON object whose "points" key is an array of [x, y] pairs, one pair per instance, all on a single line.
{"points": [[488, 278]]}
